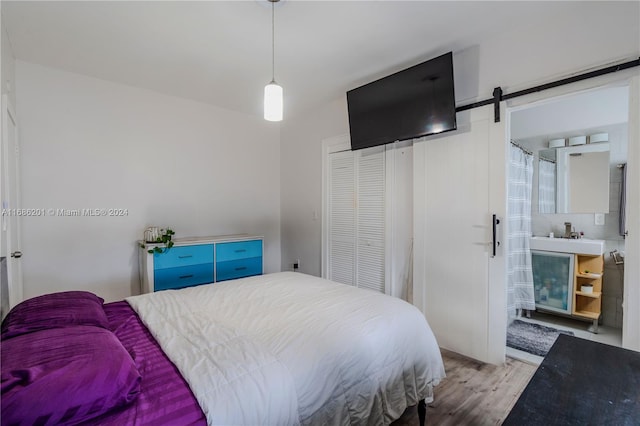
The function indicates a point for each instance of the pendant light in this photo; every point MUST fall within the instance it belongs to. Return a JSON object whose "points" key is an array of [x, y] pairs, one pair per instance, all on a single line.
{"points": [[273, 104]]}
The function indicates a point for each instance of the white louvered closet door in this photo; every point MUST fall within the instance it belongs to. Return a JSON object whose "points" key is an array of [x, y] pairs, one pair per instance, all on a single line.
{"points": [[342, 219], [357, 218], [370, 260]]}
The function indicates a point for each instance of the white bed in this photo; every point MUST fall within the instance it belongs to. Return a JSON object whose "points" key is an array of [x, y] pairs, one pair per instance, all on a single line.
{"points": [[289, 348]]}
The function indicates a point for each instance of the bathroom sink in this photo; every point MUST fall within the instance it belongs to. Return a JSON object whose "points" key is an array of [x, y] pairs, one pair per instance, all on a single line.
{"points": [[566, 245]]}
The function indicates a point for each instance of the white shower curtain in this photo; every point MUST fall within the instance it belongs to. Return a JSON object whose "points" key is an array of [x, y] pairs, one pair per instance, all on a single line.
{"points": [[519, 276], [547, 186]]}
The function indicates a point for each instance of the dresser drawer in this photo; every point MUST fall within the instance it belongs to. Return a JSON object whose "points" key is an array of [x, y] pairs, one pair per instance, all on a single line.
{"points": [[183, 256], [233, 269], [238, 250], [185, 276]]}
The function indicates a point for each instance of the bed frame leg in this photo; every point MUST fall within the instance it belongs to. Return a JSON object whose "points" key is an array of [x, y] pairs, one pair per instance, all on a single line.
{"points": [[422, 411]]}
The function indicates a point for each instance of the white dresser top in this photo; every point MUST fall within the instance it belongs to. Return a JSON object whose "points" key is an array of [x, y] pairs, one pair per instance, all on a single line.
{"points": [[189, 241]]}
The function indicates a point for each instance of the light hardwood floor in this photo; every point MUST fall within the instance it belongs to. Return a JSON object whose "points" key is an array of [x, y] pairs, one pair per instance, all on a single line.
{"points": [[473, 393]]}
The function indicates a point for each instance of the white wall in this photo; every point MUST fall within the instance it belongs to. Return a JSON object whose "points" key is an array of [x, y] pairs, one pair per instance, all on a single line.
{"points": [[590, 36], [7, 82], [301, 177], [88, 143], [8, 69]]}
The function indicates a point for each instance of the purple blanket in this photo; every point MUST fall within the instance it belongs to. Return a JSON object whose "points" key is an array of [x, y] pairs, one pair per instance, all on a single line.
{"points": [[165, 398]]}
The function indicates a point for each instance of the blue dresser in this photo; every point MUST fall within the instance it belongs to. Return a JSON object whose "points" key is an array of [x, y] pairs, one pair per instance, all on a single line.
{"points": [[195, 261]]}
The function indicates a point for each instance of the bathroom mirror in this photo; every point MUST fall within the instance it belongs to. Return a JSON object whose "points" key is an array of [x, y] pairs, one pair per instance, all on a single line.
{"points": [[574, 179]]}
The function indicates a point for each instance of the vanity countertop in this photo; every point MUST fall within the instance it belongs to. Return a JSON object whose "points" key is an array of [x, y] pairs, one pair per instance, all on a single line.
{"points": [[566, 245]]}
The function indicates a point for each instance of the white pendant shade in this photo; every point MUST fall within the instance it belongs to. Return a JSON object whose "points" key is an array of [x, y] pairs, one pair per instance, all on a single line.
{"points": [[273, 104]]}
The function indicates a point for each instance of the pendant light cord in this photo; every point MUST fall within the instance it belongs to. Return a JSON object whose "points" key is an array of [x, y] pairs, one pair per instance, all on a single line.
{"points": [[273, 42]]}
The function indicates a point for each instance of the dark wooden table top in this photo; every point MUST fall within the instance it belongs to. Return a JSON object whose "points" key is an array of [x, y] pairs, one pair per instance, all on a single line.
{"points": [[581, 382]]}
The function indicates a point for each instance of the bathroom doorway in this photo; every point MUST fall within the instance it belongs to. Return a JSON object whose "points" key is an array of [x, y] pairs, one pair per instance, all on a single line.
{"points": [[560, 136]]}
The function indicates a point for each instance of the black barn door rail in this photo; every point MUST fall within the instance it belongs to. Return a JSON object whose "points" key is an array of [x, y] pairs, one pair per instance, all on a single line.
{"points": [[498, 96]]}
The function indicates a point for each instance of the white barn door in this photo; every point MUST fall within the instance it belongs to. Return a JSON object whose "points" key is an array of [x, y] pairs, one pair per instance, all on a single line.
{"points": [[631, 304], [459, 183]]}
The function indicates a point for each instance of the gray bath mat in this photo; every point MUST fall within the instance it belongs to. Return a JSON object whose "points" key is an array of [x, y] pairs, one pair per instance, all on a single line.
{"points": [[533, 338]]}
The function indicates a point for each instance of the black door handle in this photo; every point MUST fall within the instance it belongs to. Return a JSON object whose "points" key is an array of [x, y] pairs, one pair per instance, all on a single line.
{"points": [[494, 241]]}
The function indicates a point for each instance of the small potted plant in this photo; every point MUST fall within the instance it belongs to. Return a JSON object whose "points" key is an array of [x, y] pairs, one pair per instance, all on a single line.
{"points": [[160, 237]]}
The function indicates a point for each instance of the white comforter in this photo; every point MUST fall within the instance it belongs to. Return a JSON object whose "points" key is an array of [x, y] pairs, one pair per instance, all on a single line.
{"points": [[289, 348]]}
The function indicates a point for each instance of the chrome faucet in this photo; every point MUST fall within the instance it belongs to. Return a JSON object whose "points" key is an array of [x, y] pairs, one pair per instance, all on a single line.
{"points": [[567, 229]]}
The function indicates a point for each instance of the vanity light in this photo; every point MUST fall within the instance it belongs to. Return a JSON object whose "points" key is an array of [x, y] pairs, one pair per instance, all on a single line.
{"points": [[556, 143], [577, 140], [599, 137]]}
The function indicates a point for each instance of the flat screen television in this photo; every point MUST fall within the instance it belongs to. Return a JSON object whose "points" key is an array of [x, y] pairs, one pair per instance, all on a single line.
{"points": [[415, 102]]}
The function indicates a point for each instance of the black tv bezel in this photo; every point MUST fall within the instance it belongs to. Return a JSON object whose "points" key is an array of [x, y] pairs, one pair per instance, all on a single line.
{"points": [[401, 137]]}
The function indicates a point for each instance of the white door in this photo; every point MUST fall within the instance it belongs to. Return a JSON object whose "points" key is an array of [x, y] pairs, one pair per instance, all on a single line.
{"points": [[370, 247], [631, 304], [356, 218], [459, 184], [11, 202], [341, 253]]}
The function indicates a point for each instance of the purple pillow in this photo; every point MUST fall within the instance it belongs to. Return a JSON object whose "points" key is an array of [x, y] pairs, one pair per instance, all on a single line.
{"points": [[65, 376], [53, 311]]}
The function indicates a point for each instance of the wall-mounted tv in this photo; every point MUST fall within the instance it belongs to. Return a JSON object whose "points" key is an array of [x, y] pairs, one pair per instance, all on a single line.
{"points": [[415, 102]]}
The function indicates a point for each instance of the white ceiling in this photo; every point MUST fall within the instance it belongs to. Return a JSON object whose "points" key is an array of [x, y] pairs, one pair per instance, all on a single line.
{"points": [[219, 52]]}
